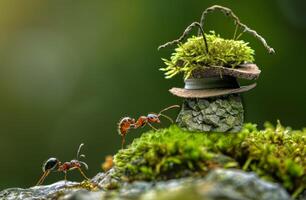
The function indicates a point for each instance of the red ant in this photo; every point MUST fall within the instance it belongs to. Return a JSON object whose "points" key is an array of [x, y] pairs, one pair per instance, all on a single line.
{"points": [[127, 123], [53, 164]]}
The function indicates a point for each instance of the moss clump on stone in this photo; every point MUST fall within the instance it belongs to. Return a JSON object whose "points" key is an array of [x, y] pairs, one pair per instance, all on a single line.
{"points": [[192, 54], [275, 153]]}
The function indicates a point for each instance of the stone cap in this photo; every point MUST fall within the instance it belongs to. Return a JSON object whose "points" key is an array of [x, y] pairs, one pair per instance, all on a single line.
{"points": [[205, 93], [244, 71]]}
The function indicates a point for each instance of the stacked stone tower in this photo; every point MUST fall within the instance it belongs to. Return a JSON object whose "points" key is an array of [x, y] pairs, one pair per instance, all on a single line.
{"points": [[212, 100]]}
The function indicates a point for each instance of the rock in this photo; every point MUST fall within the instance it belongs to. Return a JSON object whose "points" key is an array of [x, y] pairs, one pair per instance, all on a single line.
{"points": [[237, 184], [230, 120], [195, 113], [221, 184], [192, 104], [218, 184], [38, 192], [107, 180], [84, 195], [206, 127], [203, 103], [219, 114], [211, 119], [208, 111]]}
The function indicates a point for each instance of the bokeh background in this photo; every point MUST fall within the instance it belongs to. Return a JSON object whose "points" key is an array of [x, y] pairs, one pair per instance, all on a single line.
{"points": [[69, 70]]}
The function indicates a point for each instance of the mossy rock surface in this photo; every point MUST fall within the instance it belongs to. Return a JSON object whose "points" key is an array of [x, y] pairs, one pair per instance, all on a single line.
{"points": [[218, 184], [176, 164], [275, 154]]}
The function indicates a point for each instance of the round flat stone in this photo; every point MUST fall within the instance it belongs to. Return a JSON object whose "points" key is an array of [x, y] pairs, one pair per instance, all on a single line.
{"points": [[205, 93]]}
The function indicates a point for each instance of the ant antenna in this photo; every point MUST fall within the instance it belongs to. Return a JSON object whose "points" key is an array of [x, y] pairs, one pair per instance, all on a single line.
{"points": [[170, 107], [81, 156], [165, 109], [86, 166], [167, 117], [79, 150]]}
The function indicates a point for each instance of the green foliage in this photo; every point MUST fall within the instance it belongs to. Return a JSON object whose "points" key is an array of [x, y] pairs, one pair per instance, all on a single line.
{"points": [[192, 55], [275, 153]]}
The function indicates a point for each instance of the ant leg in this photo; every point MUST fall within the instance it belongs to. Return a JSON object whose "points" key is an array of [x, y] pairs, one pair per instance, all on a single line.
{"points": [[122, 141], [41, 180], [83, 174], [65, 176], [152, 126]]}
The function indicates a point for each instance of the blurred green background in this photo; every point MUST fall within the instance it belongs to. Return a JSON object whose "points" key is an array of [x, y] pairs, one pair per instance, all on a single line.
{"points": [[69, 70]]}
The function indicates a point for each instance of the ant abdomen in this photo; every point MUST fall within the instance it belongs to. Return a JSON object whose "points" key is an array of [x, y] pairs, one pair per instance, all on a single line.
{"points": [[50, 164]]}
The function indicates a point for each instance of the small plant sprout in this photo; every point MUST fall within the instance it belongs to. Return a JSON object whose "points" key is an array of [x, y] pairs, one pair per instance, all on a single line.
{"points": [[53, 164], [127, 123]]}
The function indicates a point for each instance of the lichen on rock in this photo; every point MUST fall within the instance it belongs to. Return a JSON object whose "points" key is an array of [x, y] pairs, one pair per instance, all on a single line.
{"points": [[219, 114]]}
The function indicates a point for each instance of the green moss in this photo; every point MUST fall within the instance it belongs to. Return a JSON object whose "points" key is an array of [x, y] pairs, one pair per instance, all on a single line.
{"points": [[275, 153], [192, 54], [87, 185]]}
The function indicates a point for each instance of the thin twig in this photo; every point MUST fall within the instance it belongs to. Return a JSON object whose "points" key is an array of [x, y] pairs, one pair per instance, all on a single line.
{"points": [[186, 32], [234, 37], [228, 12]]}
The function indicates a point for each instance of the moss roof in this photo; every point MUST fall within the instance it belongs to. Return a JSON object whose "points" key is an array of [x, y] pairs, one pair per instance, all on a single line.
{"points": [[192, 54]]}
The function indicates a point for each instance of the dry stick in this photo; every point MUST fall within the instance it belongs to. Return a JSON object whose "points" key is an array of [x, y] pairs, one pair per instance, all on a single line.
{"points": [[186, 32], [228, 12], [234, 37]]}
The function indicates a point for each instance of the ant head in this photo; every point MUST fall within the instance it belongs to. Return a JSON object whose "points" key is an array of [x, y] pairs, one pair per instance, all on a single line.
{"points": [[153, 118], [78, 164], [51, 164], [75, 163]]}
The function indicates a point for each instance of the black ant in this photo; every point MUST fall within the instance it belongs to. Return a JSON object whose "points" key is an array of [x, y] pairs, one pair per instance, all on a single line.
{"points": [[53, 164]]}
